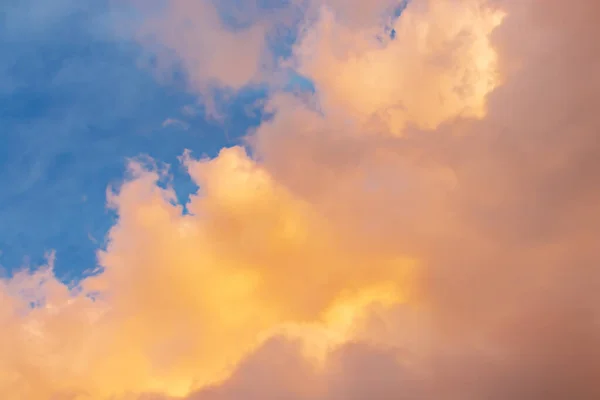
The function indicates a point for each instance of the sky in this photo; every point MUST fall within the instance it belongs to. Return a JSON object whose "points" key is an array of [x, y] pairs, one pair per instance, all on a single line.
{"points": [[79, 97], [299, 199]]}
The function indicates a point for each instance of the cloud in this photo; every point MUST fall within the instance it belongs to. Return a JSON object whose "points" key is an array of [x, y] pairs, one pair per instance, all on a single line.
{"points": [[194, 34], [440, 65], [452, 255], [177, 123], [218, 48]]}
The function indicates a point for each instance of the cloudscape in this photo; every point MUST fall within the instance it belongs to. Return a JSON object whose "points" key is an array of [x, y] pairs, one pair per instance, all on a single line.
{"points": [[413, 214]]}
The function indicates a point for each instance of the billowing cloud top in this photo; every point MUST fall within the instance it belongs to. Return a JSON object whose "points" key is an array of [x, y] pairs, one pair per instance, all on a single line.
{"points": [[424, 226]]}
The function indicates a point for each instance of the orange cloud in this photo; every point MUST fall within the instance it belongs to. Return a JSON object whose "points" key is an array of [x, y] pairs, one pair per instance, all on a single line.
{"points": [[184, 298], [457, 259], [441, 64]]}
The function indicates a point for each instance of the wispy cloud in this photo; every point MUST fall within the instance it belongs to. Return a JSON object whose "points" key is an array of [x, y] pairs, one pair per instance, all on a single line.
{"points": [[175, 123]]}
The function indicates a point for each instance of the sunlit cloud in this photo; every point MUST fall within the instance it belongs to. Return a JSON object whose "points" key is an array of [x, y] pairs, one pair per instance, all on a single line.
{"points": [[422, 226], [440, 64]]}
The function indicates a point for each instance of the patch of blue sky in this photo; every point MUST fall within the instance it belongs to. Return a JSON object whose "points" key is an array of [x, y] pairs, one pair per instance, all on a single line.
{"points": [[389, 31], [397, 13], [400, 8], [74, 106], [296, 82]]}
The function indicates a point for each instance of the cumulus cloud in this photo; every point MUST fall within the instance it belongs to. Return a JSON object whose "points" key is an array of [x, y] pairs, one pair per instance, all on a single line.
{"points": [[440, 64], [446, 252]]}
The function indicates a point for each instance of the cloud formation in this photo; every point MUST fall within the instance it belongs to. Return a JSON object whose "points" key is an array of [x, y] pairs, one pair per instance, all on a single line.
{"points": [[448, 251], [439, 65]]}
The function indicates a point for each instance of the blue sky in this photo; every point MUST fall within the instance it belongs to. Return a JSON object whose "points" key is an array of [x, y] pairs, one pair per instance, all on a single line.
{"points": [[77, 98]]}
